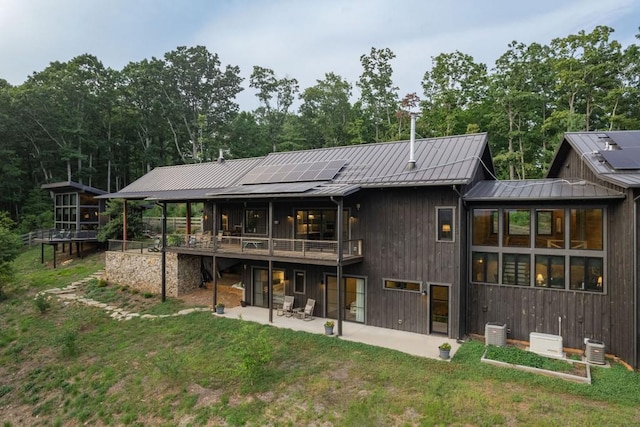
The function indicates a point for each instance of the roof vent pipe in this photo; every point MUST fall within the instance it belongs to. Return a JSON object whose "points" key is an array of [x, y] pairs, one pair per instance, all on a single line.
{"points": [[221, 157], [412, 141]]}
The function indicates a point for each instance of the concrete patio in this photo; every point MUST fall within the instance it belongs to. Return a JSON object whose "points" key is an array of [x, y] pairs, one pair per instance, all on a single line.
{"points": [[406, 342]]}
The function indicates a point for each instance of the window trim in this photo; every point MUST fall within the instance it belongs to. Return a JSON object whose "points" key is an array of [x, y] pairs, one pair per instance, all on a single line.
{"points": [[304, 282], [453, 224], [420, 284]]}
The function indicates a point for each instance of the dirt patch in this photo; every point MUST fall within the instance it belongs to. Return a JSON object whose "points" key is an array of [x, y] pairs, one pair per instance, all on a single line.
{"points": [[227, 294]]}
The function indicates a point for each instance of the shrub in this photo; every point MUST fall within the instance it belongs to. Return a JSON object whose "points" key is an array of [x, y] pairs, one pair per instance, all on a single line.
{"points": [[67, 341], [42, 303]]}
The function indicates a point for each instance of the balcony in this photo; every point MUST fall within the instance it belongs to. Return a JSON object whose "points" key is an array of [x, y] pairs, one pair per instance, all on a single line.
{"points": [[250, 247]]}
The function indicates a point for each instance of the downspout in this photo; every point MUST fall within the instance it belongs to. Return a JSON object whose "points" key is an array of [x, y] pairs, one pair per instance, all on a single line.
{"points": [[461, 253], [339, 203], [164, 253], [635, 282]]}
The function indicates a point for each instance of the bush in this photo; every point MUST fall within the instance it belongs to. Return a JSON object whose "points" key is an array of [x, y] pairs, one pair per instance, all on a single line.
{"points": [[67, 341], [42, 303]]}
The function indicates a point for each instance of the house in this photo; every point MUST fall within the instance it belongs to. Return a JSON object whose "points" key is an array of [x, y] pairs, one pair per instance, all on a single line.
{"points": [[419, 236], [373, 233]]}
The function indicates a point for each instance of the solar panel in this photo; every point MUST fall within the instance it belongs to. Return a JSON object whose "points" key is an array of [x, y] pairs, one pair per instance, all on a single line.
{"points": [[622, 159], [300, 172], [295, 187], [625, 139]]}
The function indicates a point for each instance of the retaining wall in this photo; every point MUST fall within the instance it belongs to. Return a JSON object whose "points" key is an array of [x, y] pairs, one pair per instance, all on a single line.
{"points": [[143, 271]]}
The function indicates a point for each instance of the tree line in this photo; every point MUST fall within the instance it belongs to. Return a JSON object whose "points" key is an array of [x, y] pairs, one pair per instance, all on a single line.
{"points": [[82, 121]]}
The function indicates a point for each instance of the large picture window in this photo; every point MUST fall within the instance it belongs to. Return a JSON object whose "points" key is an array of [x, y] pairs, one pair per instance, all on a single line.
{"points": [[516, 269], [255, 221], [566, 251], [586, 274], [485, 227], [485, 267]]}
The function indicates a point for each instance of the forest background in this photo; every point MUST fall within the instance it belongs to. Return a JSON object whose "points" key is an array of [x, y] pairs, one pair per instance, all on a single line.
{"points": [[80, 121]]}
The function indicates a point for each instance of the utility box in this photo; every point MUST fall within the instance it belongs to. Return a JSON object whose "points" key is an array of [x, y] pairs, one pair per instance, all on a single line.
{"points": [[546, 344], [594, 352], [495, 334]]}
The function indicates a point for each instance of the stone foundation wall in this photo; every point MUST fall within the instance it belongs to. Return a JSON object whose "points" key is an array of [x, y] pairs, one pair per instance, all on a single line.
{"points": [[143, 272]]}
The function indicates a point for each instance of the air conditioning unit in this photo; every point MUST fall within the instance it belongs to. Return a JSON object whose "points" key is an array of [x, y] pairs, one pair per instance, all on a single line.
{"points": [[495, 334], [594, 352], [546, 344]]}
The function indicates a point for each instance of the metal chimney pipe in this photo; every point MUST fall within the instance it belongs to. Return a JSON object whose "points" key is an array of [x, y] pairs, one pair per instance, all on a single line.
{"points": [[221, 156], [412, 140]]}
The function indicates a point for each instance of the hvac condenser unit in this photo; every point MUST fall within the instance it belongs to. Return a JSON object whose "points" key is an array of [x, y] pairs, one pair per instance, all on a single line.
{"points": [[495, 334], [594, 352], [546, 344]]}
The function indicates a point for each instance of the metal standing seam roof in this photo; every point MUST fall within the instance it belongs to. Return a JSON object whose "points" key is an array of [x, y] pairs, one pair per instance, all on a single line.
{"points": [[588, 145], [439, 161], [539, 190], [182, 182]]}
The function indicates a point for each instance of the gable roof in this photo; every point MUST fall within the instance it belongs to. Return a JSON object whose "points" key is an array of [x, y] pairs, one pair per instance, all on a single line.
{"points": [[449, 160], [551, 189], [592, 147]]}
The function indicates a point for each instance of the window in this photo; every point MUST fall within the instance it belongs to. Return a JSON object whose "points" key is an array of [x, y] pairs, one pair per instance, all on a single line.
{"points": [[485, 227], [549, 271], [320, 224], [550, 228], [485, 267], [518, 228], [298, 282], [586, 229], [566, 252], [402, 285], [586, 274], [444, 221], [255, 221], [515, 269]]}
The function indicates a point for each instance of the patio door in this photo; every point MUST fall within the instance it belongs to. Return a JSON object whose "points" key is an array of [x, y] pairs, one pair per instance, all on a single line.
{"points": [[354, 297], [439, 308], [261, 287]]}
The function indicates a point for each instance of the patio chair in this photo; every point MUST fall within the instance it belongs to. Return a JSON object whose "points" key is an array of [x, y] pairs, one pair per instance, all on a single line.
{"points": [[307, 313], [155, 247], [287, 306]]}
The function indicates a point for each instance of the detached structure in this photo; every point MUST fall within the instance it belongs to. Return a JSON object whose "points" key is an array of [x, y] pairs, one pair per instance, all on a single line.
{"points": [[417, 236], [76, 216]]}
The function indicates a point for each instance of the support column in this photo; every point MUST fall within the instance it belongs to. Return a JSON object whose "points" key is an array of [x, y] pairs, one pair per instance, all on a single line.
{"points": [[339, 226], [270, 291]]}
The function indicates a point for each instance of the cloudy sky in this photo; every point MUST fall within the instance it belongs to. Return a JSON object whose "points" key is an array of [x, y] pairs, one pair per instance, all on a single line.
{"points": [[300, 39]]}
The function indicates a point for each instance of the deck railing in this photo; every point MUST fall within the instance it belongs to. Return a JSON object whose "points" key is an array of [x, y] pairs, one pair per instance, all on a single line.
{"points": [[258, 245]]}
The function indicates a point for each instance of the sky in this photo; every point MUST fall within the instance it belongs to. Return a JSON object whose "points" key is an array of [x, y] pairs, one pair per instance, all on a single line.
{"points": [[301, 39]]}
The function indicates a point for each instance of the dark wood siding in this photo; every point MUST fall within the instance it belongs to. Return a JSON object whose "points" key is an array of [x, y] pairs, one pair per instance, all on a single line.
{"points": [[398, 228], [607, 317]]}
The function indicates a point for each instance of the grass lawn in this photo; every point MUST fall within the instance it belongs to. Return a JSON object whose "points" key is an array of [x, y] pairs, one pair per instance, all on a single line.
{"points": [[74, 365]]}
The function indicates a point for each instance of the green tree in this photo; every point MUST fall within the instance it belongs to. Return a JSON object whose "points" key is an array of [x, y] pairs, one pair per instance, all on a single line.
{"points": [[276, 96], [452, 89], [325, 112], [113, 229], [10, 245], [378, 95], [200, 98]]}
